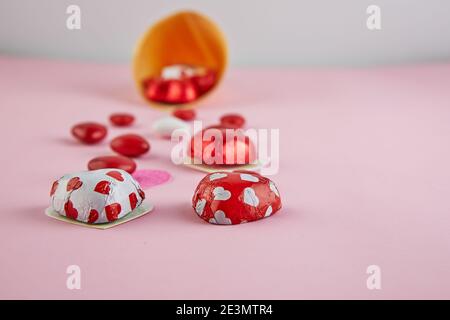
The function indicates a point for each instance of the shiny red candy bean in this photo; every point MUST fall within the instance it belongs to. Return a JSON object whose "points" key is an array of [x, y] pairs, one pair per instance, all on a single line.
{"points": [[185, 114], [116, 162], [89, 132], [172, 91], [121, 119], [130, 145], [232, 120]]}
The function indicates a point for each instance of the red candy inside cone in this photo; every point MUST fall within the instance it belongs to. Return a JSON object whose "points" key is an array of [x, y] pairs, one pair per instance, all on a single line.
{"points": [[179, 84]]}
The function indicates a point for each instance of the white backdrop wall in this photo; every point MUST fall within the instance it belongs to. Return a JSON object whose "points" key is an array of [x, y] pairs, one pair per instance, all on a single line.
{"points": [[259, 32]]}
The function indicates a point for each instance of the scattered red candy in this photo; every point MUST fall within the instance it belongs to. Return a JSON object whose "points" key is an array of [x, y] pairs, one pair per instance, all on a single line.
{"points": [[185, 114], [130, 145], [121, 119], [232, 120], [117, 162], [235, 197], [89, 132], [234, 149]]}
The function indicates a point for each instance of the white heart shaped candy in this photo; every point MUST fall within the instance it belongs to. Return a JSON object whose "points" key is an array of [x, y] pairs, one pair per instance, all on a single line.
{"points": [[166, 126]]}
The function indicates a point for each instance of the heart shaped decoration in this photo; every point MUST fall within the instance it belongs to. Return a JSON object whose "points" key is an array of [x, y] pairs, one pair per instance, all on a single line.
{"points": [[116, 175], [133, 200], [70, 211], [93, 216], [274, 188], [221, 194], [220, 218], [113, 211], [218, 175], [148, 178], [250, 197], [249, 177], [54, 187], [200, 206], [74, 184], [102, 187], [268, 211]]}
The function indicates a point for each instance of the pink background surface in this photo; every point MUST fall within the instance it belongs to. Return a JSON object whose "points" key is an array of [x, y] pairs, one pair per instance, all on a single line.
{"points": [[364, 180]]}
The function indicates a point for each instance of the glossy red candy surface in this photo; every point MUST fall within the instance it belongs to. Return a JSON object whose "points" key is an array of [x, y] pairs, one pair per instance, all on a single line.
{"points": [[233, 148], [89, 132], [235, 197], [232, 120], [116, 162], [121, 119], [185, 114], [173, 91], [130, 145], [204, 82]]}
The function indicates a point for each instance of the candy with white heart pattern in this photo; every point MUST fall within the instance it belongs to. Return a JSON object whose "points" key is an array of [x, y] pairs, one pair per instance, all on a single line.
{"points": [[97, 196], [235, 197]]}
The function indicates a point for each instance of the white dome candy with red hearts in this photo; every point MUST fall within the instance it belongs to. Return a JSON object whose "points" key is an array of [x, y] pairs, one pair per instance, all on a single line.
{"points": [[98, 196], [235, 197]]}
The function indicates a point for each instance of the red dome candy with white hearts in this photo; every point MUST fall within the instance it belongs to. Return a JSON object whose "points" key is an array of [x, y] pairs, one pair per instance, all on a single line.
{"points": [[97, 196], [235, 197]]}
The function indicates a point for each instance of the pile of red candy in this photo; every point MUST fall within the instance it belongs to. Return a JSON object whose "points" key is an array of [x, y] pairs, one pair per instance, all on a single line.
{"points": [[179, 84]]}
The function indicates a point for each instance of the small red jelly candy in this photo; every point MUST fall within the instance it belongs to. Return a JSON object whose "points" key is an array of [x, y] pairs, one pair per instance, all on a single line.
{"points": [[232, 120], [130, 145], [116, 162], [185, 114], [89, 132], [121, 119]]}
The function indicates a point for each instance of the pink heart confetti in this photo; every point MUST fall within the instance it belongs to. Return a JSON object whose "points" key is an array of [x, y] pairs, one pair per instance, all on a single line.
{"points": [[149, 178]]}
